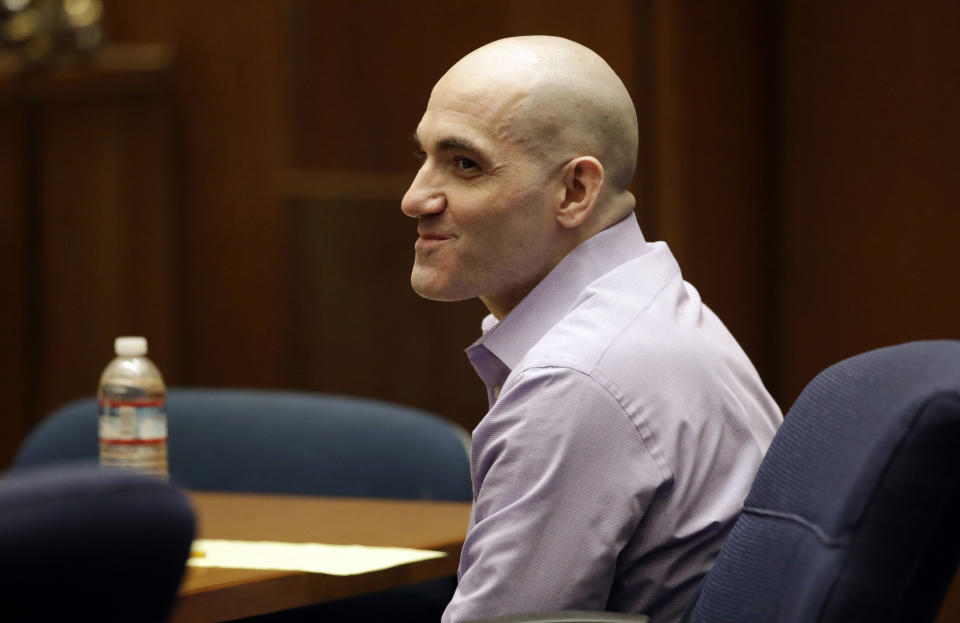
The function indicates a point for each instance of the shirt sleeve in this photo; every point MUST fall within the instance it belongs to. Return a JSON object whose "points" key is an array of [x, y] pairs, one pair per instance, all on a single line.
{"points": [[561, 477]]}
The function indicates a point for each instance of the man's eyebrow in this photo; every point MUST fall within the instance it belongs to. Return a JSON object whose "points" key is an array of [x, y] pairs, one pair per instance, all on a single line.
{"points": [[451, 143], [457, 143]]}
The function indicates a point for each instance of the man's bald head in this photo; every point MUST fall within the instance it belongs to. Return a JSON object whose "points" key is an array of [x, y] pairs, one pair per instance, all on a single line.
{"points": [[559, 100], [528, 146]]}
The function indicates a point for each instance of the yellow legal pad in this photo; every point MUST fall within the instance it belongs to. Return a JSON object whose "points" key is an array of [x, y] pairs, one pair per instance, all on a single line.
{"points": [[310, 557]]}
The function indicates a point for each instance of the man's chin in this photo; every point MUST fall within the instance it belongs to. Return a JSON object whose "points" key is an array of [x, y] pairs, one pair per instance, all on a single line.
{"points": [[431, 290]]}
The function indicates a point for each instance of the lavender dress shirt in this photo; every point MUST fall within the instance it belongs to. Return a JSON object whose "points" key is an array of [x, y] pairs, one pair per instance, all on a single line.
{"points": [[625, 428]]}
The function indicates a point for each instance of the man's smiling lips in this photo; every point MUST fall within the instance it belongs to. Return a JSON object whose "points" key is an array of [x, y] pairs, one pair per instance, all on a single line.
{"points": [[430, 239]]}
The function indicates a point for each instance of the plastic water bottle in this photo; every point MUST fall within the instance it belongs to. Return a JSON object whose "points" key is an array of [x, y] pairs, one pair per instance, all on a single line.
{"points": [[133, 420]]}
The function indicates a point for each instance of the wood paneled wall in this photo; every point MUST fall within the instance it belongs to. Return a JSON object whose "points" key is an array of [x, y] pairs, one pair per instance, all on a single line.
{"points": [[14, 310], [869, 186], [89, 226], [229, 87]]}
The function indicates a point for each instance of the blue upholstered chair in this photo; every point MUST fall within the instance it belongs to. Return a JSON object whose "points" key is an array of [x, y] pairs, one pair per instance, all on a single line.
{"points": [[855, 512], [283, 442], [80, 543]]}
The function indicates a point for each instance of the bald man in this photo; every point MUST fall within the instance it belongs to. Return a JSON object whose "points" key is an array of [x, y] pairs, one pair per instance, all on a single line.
{"points": [[625, 423]]}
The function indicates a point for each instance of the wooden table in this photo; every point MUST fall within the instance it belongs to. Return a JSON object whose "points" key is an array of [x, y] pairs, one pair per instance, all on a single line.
{"points": [[214, 594]]}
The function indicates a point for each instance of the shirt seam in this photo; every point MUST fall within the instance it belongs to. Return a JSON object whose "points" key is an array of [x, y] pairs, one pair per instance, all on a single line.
{"points": [[627, 325], [645, 435]]}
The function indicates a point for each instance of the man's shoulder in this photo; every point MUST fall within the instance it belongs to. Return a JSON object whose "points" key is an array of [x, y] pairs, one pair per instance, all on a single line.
{"points": [[671, 337], [609, 315]]}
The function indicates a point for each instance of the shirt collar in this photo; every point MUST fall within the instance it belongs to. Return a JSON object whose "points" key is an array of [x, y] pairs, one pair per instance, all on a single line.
{"points": [[510, 339]]}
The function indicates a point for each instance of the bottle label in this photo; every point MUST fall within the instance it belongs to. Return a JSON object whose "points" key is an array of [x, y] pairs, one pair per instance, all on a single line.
{"points": [[133, 422]]}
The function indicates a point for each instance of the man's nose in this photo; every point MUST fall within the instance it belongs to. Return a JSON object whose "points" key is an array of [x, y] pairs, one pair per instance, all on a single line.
{"points": [[423, 197]]}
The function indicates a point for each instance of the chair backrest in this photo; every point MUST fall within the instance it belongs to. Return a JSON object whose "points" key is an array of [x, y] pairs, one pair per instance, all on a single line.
{"points": [[81, 543], [855, 511], [284, 442]]}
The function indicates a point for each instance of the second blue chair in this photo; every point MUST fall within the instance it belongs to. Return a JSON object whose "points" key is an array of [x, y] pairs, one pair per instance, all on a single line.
{"points": [[283, 442]]}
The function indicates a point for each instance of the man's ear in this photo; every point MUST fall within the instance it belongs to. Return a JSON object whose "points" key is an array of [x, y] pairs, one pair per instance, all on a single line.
{"points": [[582, 180]]}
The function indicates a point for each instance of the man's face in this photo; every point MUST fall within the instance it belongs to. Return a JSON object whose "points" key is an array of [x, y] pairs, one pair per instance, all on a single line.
{"points": [[484, 205]]}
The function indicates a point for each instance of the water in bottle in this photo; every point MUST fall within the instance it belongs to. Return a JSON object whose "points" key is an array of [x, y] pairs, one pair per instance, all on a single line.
{"points": [[133, 421]]}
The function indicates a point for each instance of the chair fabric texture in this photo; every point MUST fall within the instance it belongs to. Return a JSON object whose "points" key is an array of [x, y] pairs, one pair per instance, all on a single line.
{"points": [[283, 442], [853, 515], [81, 543]]}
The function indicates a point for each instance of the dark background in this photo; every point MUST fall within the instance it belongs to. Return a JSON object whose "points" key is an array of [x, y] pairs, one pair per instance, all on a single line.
{"points": [[232, 192]]}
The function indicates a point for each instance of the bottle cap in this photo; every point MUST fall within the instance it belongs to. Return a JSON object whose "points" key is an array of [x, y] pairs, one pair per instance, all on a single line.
{"points": [[130, 346]]}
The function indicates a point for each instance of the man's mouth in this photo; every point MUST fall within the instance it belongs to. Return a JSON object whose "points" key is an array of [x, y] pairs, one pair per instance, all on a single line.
{"points": [[430, 240], [429, 236]]}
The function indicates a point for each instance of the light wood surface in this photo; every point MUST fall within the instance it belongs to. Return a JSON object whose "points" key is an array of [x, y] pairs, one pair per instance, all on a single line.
{"points": [[213, 594]]}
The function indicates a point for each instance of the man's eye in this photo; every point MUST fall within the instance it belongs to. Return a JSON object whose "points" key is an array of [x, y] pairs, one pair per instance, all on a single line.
{"points": [[420, 155], [465, 164]]}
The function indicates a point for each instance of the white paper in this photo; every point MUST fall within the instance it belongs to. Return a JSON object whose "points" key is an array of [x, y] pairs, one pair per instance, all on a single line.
{"points": [[310, 557]]}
